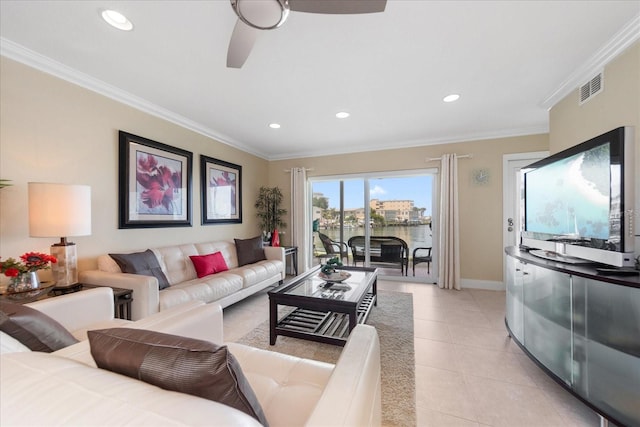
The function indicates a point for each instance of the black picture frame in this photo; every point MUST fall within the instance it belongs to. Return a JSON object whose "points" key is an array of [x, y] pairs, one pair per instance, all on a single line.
{"points": [[221, 190], [155, 184]]}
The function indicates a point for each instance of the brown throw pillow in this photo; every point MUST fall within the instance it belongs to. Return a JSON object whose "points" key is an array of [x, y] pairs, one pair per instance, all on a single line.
{"points": [[186, 365], [249, 250], [33, 328], [144, 263]]}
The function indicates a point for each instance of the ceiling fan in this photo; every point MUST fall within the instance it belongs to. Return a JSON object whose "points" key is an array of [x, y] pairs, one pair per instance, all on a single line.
{"points": [[257, 15]]}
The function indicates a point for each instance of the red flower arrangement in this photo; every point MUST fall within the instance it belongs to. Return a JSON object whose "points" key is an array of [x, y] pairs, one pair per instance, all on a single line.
{"points": [[31, 261]]}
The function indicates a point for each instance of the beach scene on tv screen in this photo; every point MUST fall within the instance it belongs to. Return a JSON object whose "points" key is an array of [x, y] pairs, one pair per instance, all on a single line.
{"points": [[571, 197]]}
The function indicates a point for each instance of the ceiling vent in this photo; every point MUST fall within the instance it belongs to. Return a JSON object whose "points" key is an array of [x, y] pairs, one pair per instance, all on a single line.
{"points": [[590, 89]]}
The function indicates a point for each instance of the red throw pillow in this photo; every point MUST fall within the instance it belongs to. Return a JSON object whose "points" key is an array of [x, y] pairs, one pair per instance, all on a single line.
{"points": [[219, 264], [208, 264]]}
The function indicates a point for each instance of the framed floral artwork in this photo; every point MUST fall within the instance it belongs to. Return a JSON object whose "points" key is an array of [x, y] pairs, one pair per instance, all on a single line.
{"points": [[155, 183], [221, 187]]}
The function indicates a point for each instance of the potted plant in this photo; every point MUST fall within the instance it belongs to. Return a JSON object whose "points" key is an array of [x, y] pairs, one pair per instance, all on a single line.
{"points": [[269, 211]]}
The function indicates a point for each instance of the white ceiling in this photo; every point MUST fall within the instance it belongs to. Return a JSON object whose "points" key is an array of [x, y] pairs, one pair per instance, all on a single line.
{"points": [[509, 61]]}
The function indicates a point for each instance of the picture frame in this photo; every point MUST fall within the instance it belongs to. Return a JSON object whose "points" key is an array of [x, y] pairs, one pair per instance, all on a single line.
{"points": [[221, 189], [155, 184]]}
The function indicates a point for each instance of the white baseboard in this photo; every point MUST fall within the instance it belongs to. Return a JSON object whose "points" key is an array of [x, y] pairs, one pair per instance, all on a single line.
{"points": [[483, 284]]}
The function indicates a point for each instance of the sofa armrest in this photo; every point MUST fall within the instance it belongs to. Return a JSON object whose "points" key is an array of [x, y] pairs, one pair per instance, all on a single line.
{"points": [[193, 319], [79, 310], [146, 295], [276, 253], [352, 395]]}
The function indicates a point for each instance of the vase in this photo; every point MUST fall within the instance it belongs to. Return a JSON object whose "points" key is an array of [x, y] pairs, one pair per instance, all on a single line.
{"points": [[24, 282], [275, 238]]}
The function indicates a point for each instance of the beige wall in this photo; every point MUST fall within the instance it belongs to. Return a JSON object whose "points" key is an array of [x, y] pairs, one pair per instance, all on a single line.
{"points": [[480, 206], [617, 105], [54, 131]]}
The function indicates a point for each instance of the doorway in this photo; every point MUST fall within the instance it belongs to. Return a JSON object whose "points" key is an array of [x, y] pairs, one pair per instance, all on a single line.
{"points": [[513, 196], [367, 207]]}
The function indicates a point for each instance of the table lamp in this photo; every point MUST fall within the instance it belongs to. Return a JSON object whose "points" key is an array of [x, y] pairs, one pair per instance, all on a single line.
{"points": [[60, 210]]}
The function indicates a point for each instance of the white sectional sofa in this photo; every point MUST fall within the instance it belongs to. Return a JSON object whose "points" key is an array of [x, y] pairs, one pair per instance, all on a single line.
{"points": [[225, 288], [66, 388]]}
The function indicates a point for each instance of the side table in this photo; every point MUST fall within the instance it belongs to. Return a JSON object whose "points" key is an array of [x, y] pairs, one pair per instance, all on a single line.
{"points": [[122, 298], [293, 252]]}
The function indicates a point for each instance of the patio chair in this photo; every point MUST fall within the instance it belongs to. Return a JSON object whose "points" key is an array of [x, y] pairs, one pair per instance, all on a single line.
{"points": [[333, 247], [423, 257]]}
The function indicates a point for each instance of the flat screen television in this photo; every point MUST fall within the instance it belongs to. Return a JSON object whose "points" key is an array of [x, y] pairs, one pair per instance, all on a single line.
{"points": [[579, 203]]}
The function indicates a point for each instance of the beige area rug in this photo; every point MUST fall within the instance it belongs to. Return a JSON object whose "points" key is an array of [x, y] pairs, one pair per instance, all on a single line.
{"points": [[393, 319]]}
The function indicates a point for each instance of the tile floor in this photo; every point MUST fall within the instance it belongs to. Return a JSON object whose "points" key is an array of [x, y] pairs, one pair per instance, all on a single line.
{"points": [[468, 371]]}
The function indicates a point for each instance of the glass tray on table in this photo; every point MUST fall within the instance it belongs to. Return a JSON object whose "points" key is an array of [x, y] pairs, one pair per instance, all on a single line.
{"points": [[29, 294]]}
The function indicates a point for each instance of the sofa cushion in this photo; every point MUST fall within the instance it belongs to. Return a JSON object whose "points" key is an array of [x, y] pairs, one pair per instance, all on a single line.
{"points": [[249, 250], [41, 389], [144, 263], [9, 344], [33, 328], [255, 273], [208, 289], [208, 264], [186, 365], [288, 387]]}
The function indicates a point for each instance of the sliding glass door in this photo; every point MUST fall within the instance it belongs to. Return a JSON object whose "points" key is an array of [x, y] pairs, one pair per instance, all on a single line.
{"points": [[383, 220]]}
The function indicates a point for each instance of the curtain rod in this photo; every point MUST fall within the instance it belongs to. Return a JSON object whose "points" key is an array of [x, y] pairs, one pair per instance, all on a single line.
{"points": [[462, 156], [289, 170]]}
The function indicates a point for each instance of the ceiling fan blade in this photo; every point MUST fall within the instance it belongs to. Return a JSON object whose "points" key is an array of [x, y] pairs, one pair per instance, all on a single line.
{"points": [[240, 45], [338, 6]]}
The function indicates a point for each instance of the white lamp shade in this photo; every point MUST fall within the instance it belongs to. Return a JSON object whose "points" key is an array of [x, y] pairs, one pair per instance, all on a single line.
{"points": [[59, 210]]}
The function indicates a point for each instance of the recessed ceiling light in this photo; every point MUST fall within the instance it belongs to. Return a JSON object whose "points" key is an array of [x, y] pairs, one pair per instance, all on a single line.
{"points": [[342, 115], [274, 125], [451, 98], [117, 20]]}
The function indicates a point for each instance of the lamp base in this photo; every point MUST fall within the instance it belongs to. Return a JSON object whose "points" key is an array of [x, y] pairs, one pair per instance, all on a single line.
{"points": [[65, 271]]}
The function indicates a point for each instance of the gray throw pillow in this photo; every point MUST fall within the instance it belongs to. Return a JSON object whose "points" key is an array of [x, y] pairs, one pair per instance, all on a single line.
{"points": [[33, 328], [249, 250], [144, 263], [186, 365]]}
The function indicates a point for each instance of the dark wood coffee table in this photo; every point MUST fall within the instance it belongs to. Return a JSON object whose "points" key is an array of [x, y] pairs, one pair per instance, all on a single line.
{"points": [[323, 312]]}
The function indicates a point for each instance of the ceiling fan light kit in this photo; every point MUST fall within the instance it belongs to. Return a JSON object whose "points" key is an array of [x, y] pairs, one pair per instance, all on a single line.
{"points": [[261, 14], [256, 15]]}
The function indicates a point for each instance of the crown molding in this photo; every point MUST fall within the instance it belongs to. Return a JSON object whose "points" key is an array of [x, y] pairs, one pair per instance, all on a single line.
{"points": [[47, 65], [454, 139], [624, 38]]}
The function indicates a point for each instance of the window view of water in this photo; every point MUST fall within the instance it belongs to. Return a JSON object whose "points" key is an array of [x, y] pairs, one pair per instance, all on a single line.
{"points": [[399, 206]]}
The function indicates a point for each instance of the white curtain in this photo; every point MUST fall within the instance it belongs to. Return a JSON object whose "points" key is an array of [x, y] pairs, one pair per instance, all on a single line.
{"points": [[300, 226], [449, 253]]}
